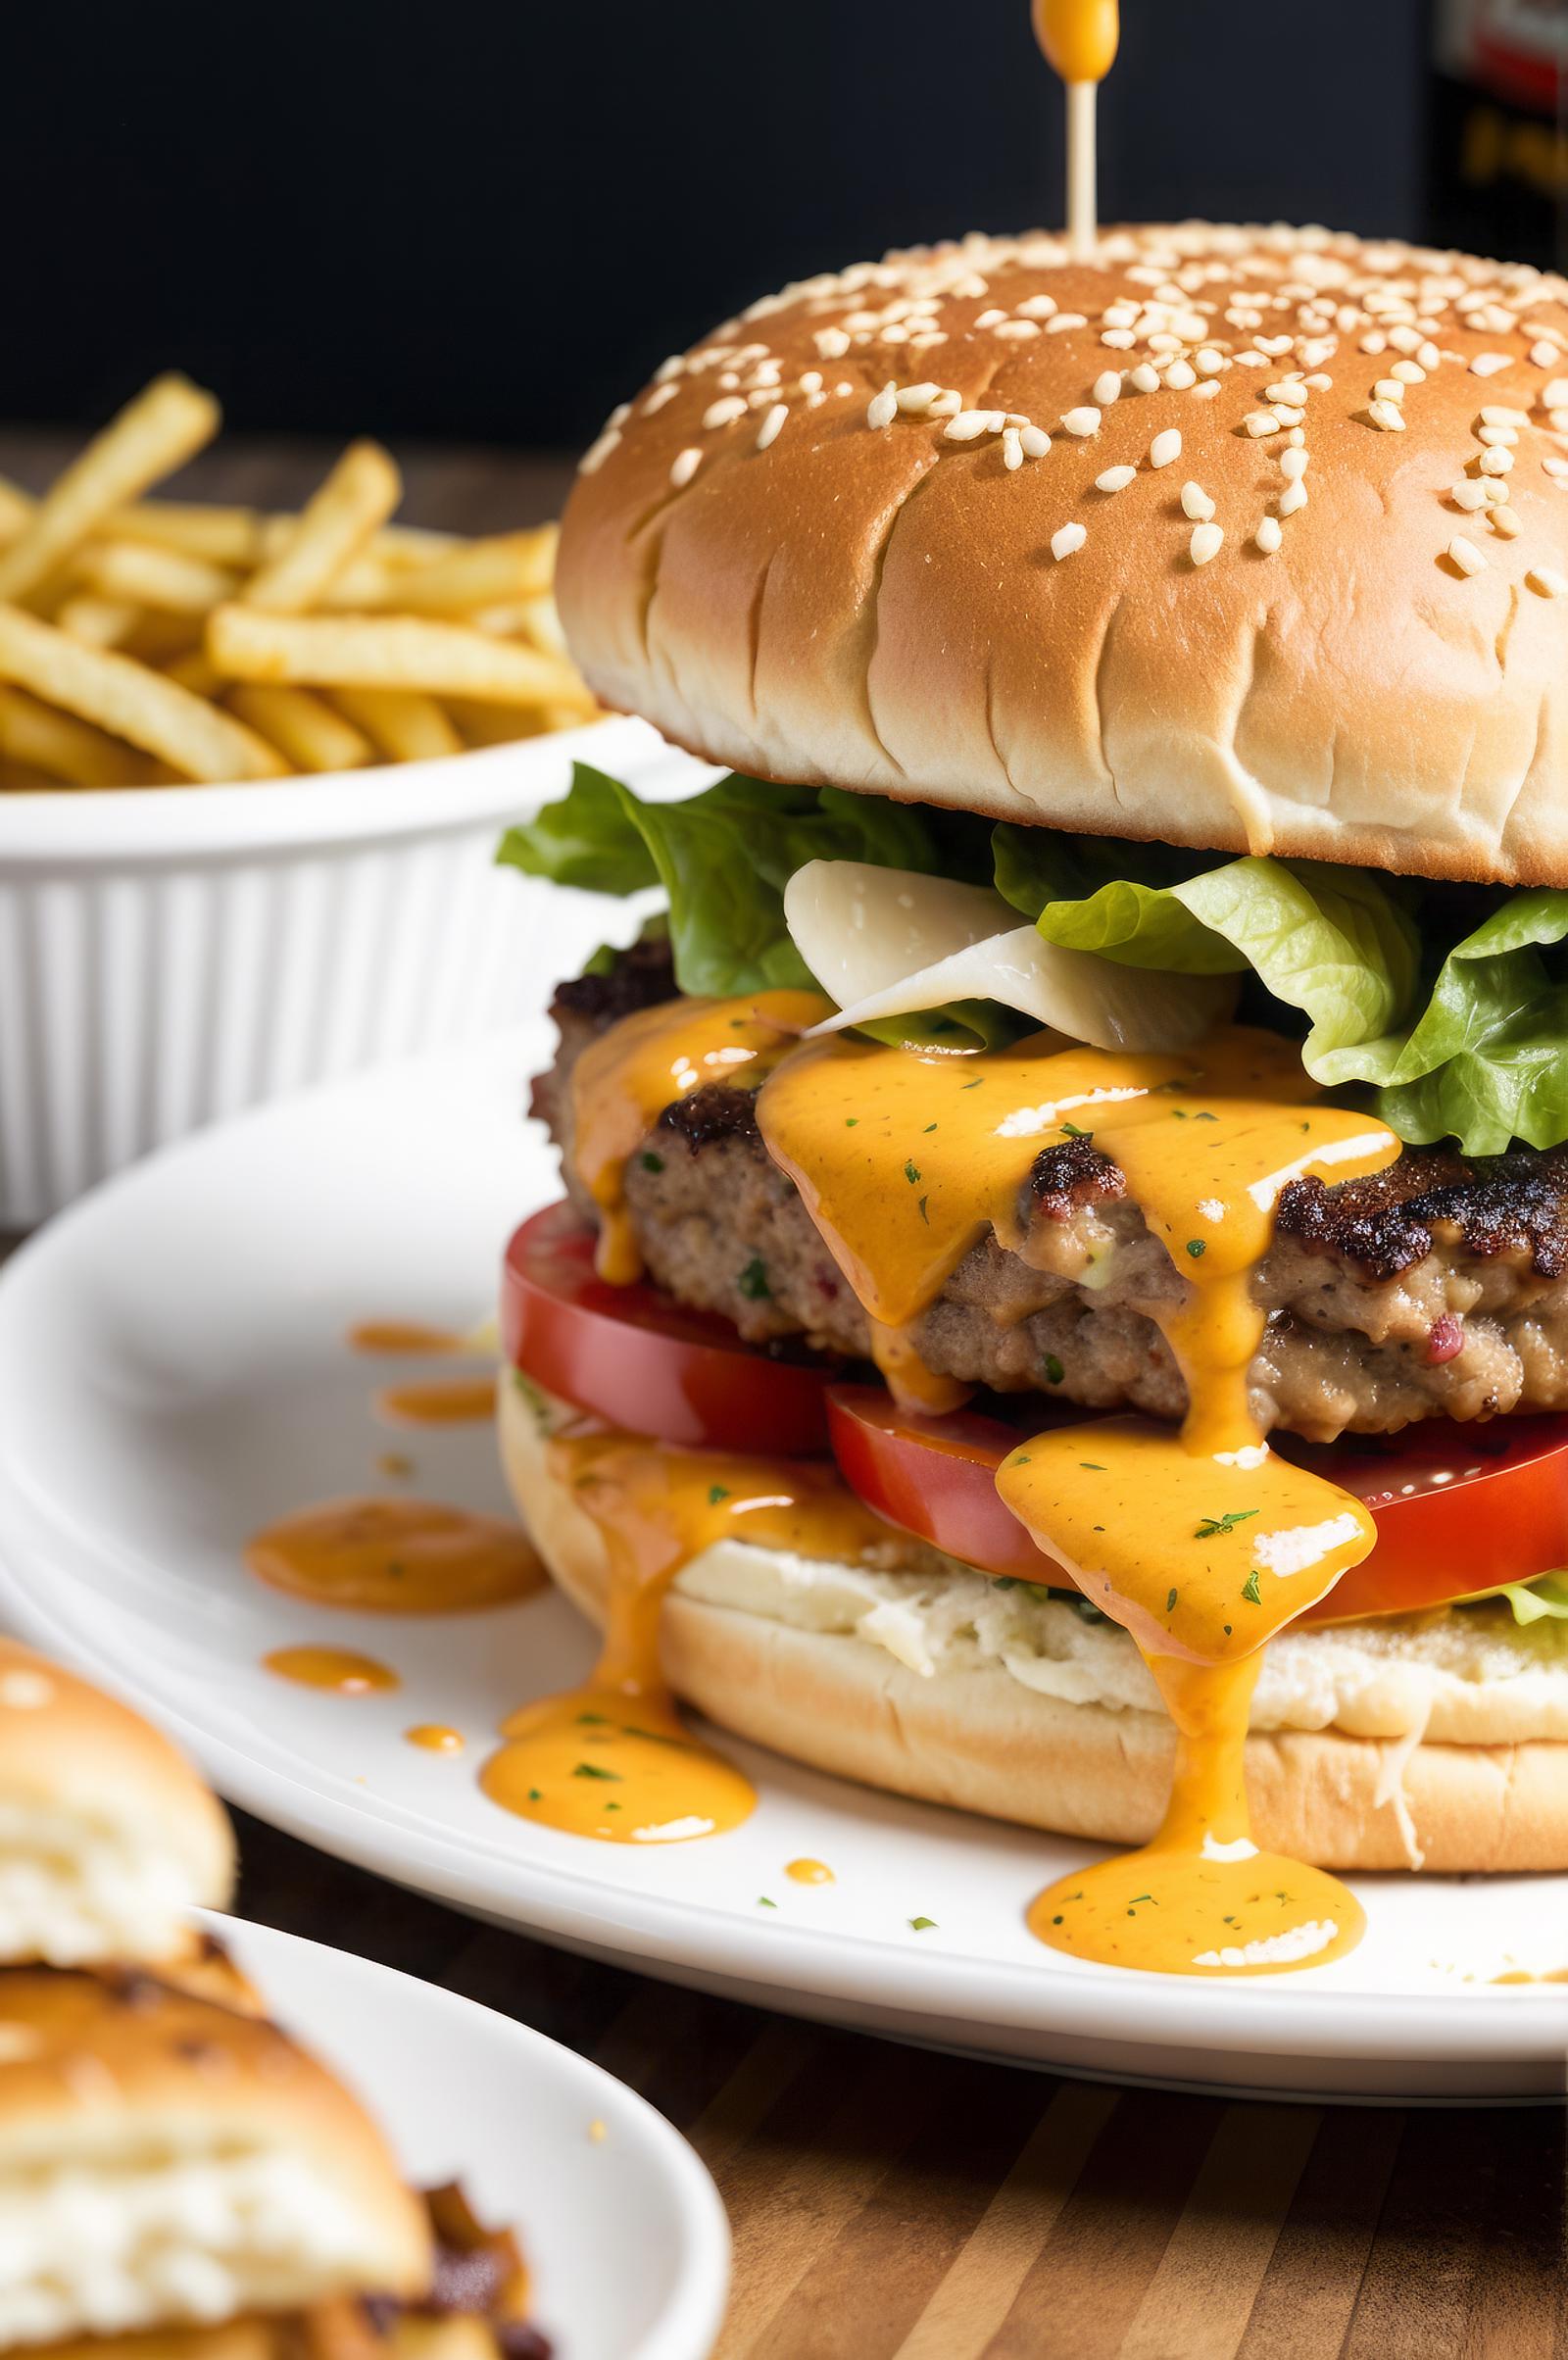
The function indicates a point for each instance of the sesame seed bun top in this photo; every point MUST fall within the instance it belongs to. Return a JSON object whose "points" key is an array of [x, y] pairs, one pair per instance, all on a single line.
{"points": [[1247, 539]]}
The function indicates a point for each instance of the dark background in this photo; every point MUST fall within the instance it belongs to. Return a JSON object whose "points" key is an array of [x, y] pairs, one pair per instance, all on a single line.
{"points": [[484, 221]]}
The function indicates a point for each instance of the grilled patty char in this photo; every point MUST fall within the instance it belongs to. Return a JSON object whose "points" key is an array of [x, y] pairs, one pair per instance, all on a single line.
{"points": [[1436, 1288]]}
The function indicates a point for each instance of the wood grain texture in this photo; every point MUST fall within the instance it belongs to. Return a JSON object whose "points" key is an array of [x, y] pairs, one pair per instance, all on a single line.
{"points": [[890, 2204]]}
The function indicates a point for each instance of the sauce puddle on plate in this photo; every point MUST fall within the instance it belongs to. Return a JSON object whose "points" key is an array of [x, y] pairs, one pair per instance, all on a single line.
{"points": [[454, 1401], [342, 1670], [396, 1556]]}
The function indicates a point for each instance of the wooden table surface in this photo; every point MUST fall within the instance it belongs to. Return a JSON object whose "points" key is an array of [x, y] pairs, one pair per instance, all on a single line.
{"points": [[888, 2205]]}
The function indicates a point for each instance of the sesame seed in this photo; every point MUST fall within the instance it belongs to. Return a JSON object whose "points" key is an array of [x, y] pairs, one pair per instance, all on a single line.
{"points": [[1495, 462], [1259, 422], [946, 403], [1205, 389], [1035, 307], [1495, 415], [1066, 539], [1209, 361], [768, 431], [1293, 497], [1268, 535], [1065, 319], [990, 319], [810, 380], [1385, 415], [967, 425], [1289, 391], [1196, 503], [1107, 387], [1388, 390], [1035, 441], [1555, 393], [1544, 354], [1165, 447], [1505, 522], [1180, 375], [1557, 468], [1547, 582], [685, 465], [1118, 339], [658, 397], [1408, 373], [1498, 438], [883, 408], [593, 459], [1487, 364], [1204, 543], [1465, 555], [1468, 494], [725, 413], [1292, 464], [1114, 479], [916, 400], [1082, 421], [1145, 378], [1428, 354]]}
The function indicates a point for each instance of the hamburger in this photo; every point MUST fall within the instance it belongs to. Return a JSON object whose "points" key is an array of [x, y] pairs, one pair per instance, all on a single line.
{"points": [[1143, 689]]}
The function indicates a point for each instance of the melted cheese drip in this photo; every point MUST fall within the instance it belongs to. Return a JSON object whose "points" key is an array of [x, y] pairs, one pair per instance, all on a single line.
{"points": [[384, 1338], [613, 1758], [396, 1556], [457, 1401], [343, 1670], [1202, 1544], [624, 1080], [811, 1872], [432, 1737]]}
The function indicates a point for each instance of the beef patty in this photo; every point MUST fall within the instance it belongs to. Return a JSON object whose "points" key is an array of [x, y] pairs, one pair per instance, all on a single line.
{"points": [[1436, 1288]]}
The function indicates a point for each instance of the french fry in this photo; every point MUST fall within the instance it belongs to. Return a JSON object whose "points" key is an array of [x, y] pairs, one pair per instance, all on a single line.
{"points": [[144, 576], [15, 509], [357, 498], [385, 652], [102, 623], [67, 750], [196, 672], [531, 619], [310, 731], [129, 701], [394, 544], [404, 725], [484, 574], [496, 724], [225, 536], [158, 431]]}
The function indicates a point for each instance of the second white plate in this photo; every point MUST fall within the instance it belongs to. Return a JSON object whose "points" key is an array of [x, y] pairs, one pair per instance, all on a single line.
{"points": [[173, 1375]]}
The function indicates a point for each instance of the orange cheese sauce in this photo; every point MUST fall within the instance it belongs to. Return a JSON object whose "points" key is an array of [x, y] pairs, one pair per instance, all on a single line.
{"points": [[613, 1758], [626, 1078], [389, 1339], [454, 1401], [432, 1737], [396, 1556], [1202, 1544], [343, 1670], [811, 1872]]}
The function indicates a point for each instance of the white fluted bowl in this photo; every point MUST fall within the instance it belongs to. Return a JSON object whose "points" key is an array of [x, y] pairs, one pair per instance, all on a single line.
{"points": [[168, 955]]}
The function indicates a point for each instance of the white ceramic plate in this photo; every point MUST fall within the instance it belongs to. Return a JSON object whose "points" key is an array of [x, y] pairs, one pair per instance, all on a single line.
{"points": [[173, 1375], [542, 2140]]}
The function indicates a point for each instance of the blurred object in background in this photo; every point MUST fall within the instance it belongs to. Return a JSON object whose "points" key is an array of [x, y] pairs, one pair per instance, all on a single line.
{"points": [[1498, 128], [491, 222]]}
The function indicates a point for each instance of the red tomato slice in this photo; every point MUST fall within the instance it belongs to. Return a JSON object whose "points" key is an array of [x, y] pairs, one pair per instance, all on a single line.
{"points": [[1459, 1509], [637, 1360]]}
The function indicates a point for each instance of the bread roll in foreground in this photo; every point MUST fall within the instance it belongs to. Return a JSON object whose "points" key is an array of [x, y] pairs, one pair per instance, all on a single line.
{"points": [[108, 1836], [166, 2162]]}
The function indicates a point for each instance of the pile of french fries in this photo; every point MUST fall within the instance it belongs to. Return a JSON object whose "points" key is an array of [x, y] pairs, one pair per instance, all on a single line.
{"points": [[149, 643]]}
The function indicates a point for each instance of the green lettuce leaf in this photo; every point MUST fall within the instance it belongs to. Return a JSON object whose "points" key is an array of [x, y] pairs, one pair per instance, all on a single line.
{"points": [[723, 858], [1488, 1058], [1538, 1601]]}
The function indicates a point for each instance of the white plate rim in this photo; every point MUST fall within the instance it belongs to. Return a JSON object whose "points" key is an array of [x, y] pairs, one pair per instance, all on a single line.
{"points": [[689, 2323]]}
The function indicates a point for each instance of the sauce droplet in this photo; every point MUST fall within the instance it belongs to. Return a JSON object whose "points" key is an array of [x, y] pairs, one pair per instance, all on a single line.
{"points": [[614, 1759], [343, 1670], [457, 1401], [432, 1738], [396, 1556], [383, 1339], [811, 1872]]}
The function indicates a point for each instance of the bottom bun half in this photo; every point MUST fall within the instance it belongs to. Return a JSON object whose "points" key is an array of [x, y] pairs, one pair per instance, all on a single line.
{"points": [[983, 1740]]}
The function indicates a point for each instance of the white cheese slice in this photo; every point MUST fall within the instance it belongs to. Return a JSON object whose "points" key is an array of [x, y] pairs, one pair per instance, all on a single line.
{"points": [[890, 942]]}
